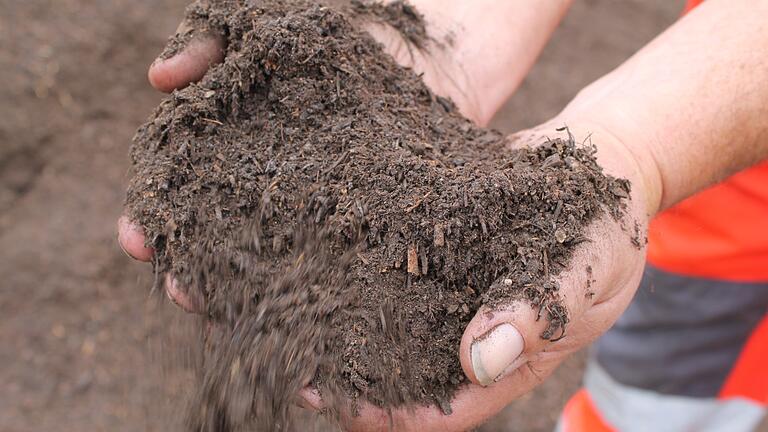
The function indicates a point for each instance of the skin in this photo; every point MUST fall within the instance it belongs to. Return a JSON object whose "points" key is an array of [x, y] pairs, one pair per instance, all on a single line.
{"points": [[685, 112]]}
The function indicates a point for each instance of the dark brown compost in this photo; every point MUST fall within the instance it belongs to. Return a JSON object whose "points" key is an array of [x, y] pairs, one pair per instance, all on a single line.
{"points": [[342, 222]]}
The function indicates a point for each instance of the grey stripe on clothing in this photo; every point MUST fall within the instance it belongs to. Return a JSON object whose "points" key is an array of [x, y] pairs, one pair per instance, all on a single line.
{"points": [[681, 335], [628, 409]]}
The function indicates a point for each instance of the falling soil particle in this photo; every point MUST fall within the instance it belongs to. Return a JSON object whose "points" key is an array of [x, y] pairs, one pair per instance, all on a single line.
{"points": [[341, 221]]}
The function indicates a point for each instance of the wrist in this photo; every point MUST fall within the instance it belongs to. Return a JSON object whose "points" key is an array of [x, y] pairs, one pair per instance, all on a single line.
{"points": [[624, 148], [488, 46], [619, 155]]}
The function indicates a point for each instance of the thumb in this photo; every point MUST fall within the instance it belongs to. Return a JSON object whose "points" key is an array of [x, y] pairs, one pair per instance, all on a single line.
{"points": [[501, 339], [583, 302], [498, 341], [175, 69]]}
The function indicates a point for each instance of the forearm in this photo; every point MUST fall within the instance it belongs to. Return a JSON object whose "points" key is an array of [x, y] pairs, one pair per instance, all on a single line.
{"points": [[496, 42], [692, 106]]}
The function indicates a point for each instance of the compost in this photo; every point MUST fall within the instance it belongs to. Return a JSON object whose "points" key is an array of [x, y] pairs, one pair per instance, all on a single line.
{"points": [[341, 222]]}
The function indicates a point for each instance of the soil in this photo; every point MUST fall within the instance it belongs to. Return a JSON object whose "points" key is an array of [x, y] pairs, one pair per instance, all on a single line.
{"points": [[342, 223], [84, 347]]}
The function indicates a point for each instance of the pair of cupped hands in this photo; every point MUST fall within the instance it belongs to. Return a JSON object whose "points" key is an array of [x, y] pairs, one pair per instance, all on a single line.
{"points": [[501, 351]]}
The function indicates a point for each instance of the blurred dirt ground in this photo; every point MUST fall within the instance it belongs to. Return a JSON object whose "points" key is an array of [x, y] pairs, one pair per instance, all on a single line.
{"points": [[85, 347]]}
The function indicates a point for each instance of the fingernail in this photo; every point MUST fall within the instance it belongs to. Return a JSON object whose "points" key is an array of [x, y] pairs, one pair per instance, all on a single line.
{"points": [[495, 351], [123, 248]]}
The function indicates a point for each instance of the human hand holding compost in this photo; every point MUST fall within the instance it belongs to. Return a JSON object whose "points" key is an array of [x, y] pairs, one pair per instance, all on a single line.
{"points": [[446, 71], [684, 113], [504, 344]]}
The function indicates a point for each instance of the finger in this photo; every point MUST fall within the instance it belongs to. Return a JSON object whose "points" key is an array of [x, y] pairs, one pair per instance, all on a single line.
{"points": [[309, 398], [189, 65], [601, 316], [374, 419], [471, 406], [189, 301], [500, 340], [131, 239]]}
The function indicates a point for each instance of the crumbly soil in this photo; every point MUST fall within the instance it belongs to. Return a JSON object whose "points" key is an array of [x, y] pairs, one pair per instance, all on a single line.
{"points": [[343, 223]]}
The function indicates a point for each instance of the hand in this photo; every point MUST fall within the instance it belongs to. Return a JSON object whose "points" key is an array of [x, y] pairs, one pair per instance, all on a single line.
{"points": [[167, 75], [657, 121], [476, 68], [502, 351], [447, 72]]}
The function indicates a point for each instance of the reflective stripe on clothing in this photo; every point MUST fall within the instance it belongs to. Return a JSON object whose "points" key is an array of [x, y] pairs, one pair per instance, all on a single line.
{"points": [[683, 335], [688, 355], [628, 409]]}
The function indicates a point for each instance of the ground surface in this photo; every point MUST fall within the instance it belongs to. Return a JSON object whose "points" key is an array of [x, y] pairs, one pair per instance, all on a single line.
{"points": [[84, 347]]}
